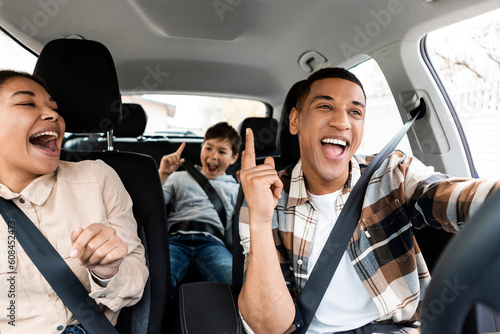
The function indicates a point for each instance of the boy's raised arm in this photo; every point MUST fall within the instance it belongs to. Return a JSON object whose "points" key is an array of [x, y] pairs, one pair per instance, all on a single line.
{"points": [[264, 301], [170, 163]]}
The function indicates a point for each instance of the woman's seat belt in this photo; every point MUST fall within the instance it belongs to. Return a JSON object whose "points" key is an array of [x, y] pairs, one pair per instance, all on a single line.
{"points": [[57, 273]]}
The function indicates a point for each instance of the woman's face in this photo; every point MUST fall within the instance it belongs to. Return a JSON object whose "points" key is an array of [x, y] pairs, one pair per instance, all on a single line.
{"points": [[31, 131]]}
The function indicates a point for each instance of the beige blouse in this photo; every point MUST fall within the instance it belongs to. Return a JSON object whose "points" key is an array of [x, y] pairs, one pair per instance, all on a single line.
{"points": [[75, 195]]}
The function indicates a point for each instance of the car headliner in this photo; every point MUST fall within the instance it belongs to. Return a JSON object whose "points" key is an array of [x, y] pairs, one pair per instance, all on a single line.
{"points": [[237, 48]]}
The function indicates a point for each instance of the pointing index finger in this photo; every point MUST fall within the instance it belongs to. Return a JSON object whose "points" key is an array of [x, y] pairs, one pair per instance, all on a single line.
{"points": [[181, 148], [248, 160]]}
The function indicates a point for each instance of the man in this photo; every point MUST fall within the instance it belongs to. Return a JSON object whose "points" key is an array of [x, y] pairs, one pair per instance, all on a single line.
{"points": [[382, 276]]}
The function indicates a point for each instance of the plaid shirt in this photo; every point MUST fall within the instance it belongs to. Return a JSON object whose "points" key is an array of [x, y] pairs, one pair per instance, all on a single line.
{"points": [[402, 193]]}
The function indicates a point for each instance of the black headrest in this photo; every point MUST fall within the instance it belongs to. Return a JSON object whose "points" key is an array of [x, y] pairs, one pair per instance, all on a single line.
{"points": [[133, 123], [81, 77], [264, 131], [286, 143]]}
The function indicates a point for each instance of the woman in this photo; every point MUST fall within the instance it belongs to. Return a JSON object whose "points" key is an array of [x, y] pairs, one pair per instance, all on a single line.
{"points": [[81, 208]]}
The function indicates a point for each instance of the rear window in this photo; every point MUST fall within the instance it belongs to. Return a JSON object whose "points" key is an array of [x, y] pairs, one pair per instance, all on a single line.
{"points": [[192, 115]]}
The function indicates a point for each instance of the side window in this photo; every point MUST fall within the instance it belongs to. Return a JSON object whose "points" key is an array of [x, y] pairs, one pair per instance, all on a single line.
{"points": [[466, 57], [382, 119], [13, 56]]}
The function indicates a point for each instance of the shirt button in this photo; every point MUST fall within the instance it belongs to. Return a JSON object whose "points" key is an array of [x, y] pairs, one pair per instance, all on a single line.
{"points": [[299, 262], [21, 200], [51, 295], [60, 327], [102, 296]]}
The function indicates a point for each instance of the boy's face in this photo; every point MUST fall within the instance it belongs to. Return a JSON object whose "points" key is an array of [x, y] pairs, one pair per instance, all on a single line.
{"points": [[330, 130], [216, 156], [31, 131]]}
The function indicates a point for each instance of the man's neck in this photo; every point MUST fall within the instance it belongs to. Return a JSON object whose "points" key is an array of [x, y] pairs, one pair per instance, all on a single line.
{"points": [[318, 186]]}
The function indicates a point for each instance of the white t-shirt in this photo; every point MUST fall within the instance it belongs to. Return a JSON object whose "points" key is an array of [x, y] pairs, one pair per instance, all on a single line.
{"points": [[346, 304]]}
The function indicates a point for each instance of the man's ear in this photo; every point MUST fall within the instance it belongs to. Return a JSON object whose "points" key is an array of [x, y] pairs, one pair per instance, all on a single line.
{"points": [[294, 121]]}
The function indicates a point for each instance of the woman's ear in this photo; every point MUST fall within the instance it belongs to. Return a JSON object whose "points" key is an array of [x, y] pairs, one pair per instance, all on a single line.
{"points": [[294, 121]]}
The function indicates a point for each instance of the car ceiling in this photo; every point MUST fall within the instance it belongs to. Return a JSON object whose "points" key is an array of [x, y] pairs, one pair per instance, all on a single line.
{"points": [[237, 48]]}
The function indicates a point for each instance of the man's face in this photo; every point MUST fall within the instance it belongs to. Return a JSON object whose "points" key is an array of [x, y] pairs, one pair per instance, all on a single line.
{"points": [[330, 129]]}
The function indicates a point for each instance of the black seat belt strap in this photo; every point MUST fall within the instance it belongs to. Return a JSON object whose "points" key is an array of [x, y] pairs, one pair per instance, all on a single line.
{"points": [[57, 273], [209, 190], [337, 242]]}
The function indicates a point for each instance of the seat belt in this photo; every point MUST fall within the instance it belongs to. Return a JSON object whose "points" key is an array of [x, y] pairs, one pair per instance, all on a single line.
{"points": [[57, 273], [209, 190], [337, 242]]}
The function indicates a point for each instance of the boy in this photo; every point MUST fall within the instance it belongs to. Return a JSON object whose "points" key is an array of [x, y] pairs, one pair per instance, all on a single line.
{"points": [[196, 232]]}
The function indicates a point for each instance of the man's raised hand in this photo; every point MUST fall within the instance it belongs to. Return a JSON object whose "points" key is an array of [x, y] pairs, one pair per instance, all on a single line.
{"points": [[170, 163], [261, 184]]}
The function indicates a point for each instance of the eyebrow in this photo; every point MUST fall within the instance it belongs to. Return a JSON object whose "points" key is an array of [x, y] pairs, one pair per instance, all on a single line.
{"points": [[329, 98], [217, 147], [29, 93], [23, 92]]}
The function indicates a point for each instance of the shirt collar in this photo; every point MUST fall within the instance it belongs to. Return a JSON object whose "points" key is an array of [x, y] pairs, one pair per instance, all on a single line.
{"points": [[37, 192], [298, 194]]}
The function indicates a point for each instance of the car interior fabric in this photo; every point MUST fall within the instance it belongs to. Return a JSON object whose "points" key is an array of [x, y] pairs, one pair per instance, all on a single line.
{"points": [[133, 122], [132, 125], [286, 143], [264, 132], [78, 64], [85, 84], [125, 140], [194, 299]]}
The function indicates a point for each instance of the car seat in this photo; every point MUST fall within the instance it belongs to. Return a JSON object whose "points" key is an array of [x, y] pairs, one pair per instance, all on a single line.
{"points": [[81, 76], [130, 129], [264, 131]]}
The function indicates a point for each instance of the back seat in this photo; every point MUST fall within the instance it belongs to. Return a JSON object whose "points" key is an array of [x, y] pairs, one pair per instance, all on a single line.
{"points": [[129, 137]]}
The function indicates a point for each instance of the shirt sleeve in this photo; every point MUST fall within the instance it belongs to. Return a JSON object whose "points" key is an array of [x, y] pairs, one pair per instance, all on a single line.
{"points": [[284, 264], [439, 200], [126, 288], [168, 188]]}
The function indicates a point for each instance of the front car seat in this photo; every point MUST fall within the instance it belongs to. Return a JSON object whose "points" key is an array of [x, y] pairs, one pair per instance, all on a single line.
{"points": [[81, 77]]}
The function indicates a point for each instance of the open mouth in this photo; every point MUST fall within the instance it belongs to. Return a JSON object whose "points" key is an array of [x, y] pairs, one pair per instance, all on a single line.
{"points": [[334, 148], [212, 169], [45, 140]]}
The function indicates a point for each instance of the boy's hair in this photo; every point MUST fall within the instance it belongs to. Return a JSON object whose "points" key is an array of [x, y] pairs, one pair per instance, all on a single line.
{"points": [[223, 131], [6, 75], [325, 73]]}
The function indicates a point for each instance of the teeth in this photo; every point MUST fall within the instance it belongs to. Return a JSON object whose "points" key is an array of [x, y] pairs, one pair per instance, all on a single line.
{"points": [[334, 141], [50, 135]]}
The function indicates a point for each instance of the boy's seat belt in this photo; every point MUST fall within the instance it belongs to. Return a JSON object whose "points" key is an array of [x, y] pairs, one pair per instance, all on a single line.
{"points": [[206, 186], [57, 273], [209, 190], [337, 242]]}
